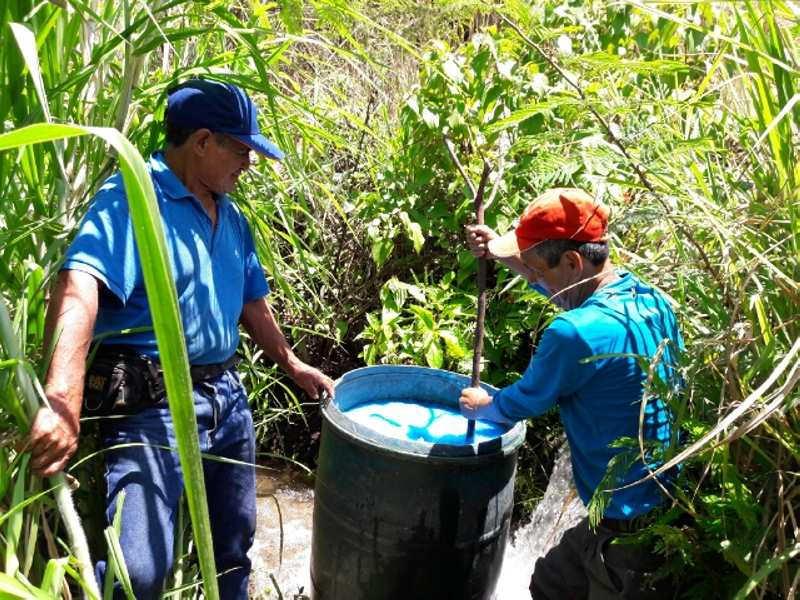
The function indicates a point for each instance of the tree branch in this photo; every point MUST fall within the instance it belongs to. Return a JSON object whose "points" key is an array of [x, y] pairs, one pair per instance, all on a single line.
{"points": [[459, 166], [713, 271]]}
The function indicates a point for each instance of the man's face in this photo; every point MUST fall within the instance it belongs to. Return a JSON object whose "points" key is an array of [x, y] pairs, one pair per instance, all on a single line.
{"points": [[223, 161], [557, 280]]}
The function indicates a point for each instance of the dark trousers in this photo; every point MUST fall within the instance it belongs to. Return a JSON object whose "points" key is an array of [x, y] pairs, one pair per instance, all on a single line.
{"points": [[594, 565], [152, 480]]}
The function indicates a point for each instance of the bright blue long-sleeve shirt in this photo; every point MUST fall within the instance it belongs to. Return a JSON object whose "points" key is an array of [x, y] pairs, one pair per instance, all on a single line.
{"points": [[600, 398]]}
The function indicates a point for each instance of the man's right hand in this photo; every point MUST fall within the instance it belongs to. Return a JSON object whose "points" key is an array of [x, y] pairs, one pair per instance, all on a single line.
{"points": [[52, 441], [71, 315], [478, 236]]}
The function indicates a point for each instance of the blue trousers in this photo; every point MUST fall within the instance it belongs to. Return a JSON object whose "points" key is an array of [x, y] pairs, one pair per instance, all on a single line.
{"points": [[153, 483]]}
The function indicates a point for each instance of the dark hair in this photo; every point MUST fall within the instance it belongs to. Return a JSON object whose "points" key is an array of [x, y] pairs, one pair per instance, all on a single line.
{"points": [[176, 136], [552, 250]]}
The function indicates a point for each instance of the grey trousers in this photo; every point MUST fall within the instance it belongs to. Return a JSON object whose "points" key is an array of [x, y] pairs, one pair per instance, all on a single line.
{"points": [[593, 565]]}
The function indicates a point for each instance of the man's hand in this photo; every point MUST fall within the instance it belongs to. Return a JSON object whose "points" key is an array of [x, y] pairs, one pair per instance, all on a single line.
{"points": [[71, 315], [476, 403], [260, 323], [478, 236], [313, 381], [52, 441], [472, 400]]}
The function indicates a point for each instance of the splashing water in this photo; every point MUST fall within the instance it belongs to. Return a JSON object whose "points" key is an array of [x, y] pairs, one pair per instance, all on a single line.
{"points": [[433, 423], [560, 509]]}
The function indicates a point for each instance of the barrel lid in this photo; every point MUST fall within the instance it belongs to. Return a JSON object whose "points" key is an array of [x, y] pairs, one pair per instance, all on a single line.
{"points": [[401, 382]]}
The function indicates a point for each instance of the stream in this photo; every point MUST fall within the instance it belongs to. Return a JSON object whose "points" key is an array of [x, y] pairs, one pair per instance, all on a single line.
{"points": [[559, 509]]}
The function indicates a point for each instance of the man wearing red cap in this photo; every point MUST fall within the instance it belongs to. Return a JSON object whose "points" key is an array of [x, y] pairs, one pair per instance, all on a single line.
{"points": [[211, 129], [589, 364]]}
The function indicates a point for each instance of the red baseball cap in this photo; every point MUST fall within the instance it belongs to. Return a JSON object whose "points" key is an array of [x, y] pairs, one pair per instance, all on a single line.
{"points": [[558, 214]]}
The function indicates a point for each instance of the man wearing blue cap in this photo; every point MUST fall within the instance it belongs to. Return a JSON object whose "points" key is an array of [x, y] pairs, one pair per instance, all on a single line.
{"points": [[211, 128]]}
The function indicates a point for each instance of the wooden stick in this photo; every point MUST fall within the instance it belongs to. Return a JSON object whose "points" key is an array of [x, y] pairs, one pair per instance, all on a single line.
{"points": [[477, 349]]}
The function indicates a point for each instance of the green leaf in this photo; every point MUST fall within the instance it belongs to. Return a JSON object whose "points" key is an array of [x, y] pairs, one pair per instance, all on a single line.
{"points": [[416, 292], [388, 316], [773, 564], [413, 104], [424, 315], [602, 62], [27, 46], [413, 230], [292, 15], [504, 67], [452, 344], [530, 110], [430, 118], [34, 134], [393, 294], [117, 562], [382, 250], [452, 71], [341, 329], [434, 356]]}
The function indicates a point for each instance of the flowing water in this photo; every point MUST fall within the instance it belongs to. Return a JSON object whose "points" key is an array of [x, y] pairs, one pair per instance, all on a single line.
{"points": [[285, 504], [558, 511]]}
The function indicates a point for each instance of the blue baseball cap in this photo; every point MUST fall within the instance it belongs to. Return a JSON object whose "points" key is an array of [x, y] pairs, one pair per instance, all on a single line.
{"points": [[220, 107]]}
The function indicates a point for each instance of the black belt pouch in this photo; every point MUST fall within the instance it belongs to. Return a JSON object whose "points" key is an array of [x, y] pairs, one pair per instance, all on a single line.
{"points": [[116, 384]]}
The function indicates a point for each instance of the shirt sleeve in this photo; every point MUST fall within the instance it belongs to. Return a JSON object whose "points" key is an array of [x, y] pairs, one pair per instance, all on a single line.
{"points": [[255, 282], [104, 246], [555, 370]]}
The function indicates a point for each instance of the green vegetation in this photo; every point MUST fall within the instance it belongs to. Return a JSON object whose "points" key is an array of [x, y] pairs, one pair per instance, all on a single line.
{"points": [[684, 117]]}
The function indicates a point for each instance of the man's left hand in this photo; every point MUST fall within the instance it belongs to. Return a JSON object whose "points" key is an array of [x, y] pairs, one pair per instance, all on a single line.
{"points": [[313, 381]]}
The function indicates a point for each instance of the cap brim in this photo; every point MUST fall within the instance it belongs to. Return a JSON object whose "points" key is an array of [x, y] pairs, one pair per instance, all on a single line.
{"points": [[505, 245], [260, 144]]}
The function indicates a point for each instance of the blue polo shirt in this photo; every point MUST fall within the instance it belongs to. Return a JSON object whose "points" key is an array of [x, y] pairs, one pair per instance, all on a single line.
{"points": [[599, 399], [216, 269]]}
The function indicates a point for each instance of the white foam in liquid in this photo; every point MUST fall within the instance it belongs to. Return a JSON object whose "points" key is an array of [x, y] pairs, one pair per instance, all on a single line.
{"points": [[433, 423]]}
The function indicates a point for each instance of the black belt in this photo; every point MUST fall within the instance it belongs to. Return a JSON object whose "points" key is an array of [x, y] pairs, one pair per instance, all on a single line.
{"points": [[197, 373], [204, 372], [121, 380], [628, 525]]}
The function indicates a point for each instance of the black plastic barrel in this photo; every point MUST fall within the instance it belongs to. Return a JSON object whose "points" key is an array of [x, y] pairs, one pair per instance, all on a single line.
{"points": [[399, 519]]}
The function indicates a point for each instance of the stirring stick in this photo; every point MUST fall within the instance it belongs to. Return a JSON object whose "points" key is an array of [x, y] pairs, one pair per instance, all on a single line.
{"points": [[479, 327]]}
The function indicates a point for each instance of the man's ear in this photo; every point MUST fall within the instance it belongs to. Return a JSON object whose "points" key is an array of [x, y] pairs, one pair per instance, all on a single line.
{"points": [[199, 141], [573, 260]]}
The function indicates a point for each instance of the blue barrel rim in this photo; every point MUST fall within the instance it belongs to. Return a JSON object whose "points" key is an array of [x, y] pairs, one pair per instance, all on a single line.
{"points": [[508, 443]]}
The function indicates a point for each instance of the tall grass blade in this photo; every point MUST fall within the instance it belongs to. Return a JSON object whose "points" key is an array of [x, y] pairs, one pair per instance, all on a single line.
{"points": [[728, 420], [63, 496], [116, 563], [53, 579], [11, 588], [167, 322], [768, 567], [27, 46], [14, 525]]}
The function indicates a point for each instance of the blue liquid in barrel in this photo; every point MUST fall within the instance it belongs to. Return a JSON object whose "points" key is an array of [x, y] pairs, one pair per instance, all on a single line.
{"points": [[433, 423]]}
